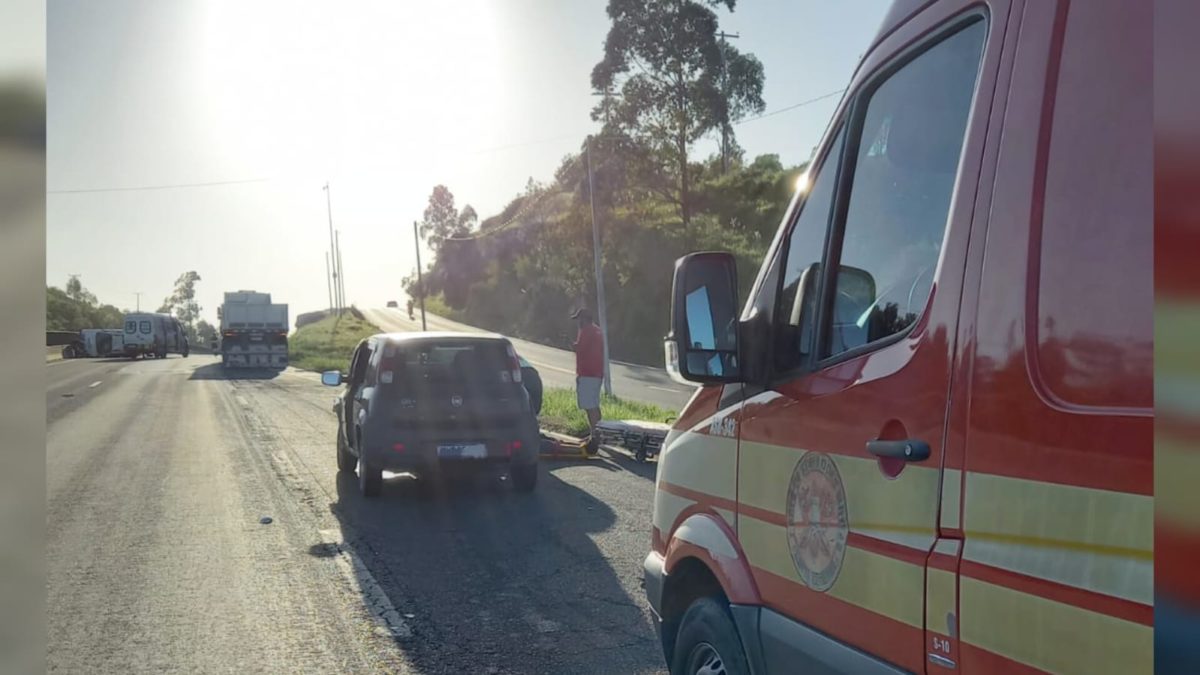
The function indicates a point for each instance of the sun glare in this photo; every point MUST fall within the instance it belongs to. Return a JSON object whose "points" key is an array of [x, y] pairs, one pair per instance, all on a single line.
{"points": [[321, 89], [803, 182]]}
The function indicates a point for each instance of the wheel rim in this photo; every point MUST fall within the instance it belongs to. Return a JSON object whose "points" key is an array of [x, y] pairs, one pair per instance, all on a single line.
{"points": [[705, 660]]}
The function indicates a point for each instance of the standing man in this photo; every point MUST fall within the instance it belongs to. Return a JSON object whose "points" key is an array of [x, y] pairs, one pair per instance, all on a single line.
{"points": [[589, 372]]}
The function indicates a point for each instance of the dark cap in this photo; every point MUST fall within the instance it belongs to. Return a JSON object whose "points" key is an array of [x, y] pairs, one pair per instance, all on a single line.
{"points": [[582, 313]]}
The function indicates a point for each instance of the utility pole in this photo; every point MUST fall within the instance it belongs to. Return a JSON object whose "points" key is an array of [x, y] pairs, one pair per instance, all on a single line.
{"points": [[725, 99], [332, 247], [328, 283], [138, 295], [420, 281], [600, 313], [341, 272]]}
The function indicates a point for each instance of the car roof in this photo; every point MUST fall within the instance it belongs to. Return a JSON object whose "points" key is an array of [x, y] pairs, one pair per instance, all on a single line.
{"points": [[437, 336]]}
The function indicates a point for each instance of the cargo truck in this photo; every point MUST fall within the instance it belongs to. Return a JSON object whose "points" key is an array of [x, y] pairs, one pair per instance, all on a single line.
{"points": [[253, 331]]}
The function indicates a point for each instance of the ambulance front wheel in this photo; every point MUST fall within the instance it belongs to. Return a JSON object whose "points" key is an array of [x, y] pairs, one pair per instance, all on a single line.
{"points": [[708, 641]]}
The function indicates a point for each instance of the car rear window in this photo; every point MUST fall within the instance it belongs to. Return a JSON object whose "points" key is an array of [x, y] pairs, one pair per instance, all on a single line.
{"points": [[445, 363], [145, 326], [130, 326]]}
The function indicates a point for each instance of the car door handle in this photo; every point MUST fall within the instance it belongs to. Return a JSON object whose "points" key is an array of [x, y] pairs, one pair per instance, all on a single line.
{"points": [[909, 449]]}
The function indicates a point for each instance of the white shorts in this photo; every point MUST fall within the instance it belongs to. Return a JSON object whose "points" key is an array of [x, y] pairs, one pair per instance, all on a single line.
{"points": [[587, 392]]}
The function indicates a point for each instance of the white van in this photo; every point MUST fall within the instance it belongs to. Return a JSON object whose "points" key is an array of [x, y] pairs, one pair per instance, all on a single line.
{"points": [[153, 335]]}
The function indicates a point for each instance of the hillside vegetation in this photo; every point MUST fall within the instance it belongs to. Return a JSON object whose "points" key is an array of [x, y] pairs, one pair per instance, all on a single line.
{"points": [[665, 82], [524, 270]]}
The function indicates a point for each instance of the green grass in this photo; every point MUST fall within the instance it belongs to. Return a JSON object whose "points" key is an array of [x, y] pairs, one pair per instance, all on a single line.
{"points": [[328, 343], [561, 413], [436, 304]]}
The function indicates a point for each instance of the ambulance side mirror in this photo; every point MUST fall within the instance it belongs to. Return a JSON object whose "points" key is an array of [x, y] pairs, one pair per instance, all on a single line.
{"points": [[703, 343]]}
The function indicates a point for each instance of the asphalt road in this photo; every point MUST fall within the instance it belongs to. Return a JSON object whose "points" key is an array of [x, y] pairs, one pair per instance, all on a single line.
{"points": [[159, 471], [557, 366]]}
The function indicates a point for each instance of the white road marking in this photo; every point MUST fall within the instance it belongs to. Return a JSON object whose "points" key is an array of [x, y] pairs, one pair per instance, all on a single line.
{"points": [[94, 384], [673, 391], [243, 402], [360, 578], [547, 365]]}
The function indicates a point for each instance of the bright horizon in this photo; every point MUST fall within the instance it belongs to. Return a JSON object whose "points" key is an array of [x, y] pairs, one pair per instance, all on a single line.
{"points": [[383, 102]]}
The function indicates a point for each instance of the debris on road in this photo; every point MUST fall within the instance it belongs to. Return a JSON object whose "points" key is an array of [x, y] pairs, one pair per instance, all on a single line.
{"points": [[643, 439], [265, 520]]}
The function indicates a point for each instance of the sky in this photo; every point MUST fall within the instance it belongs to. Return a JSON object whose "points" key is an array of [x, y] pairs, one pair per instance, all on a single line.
{"points": [[22, 40], [269, 100]]}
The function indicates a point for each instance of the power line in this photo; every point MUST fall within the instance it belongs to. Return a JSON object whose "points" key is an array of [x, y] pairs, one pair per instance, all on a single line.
{"points": [[172, 186], [793, 106]]}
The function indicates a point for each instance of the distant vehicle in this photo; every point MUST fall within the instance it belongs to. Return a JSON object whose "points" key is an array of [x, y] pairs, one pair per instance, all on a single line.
{"points": [[95, 342], [438, 401], [253, 331], [98, 342], [393, 303], [154, 335]]}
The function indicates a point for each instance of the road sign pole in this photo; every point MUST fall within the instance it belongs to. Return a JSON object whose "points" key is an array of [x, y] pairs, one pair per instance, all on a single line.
{"points": [[600, 313], [420, 282], [328, 283], [341, 271], [332, 246]]}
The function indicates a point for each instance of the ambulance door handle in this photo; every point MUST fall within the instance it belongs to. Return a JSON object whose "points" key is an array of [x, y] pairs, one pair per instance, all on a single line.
{"points": [[909, 450]]}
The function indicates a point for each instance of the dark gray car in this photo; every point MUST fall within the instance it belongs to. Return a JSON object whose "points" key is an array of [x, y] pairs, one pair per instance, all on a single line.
{"points": [[427, 402]]}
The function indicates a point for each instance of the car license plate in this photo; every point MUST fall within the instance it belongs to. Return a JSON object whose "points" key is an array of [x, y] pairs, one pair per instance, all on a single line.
{"points": [[465, 451]]}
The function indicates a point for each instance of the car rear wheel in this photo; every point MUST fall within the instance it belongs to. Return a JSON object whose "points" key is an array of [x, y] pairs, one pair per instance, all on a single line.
{"points": [[345, 461], [707, 642], [370, 478], [524, 476]]}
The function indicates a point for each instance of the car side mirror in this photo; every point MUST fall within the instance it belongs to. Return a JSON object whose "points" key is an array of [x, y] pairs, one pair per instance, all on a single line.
{"points": [[332, 378], [703, 343]]}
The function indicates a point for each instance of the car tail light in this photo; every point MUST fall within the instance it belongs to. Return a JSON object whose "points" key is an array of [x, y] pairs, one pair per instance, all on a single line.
{"points": [[511, 447], [514, 364]]}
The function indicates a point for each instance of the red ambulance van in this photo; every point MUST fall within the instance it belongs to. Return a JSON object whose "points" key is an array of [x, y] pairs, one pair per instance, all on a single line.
{"points": [[924, 442]]}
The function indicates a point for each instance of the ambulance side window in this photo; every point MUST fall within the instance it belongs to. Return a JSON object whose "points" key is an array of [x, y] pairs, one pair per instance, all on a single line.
{"points": [[805, 248], [906, 159]]}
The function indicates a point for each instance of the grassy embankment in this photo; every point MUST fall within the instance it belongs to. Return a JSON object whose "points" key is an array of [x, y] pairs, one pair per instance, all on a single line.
{"points": [[327, 345]]}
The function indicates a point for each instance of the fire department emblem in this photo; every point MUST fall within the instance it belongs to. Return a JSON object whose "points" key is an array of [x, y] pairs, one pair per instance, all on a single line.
{"points": [[817, 524]]}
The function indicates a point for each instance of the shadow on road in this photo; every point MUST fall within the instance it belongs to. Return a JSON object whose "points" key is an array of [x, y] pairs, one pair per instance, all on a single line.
{"points": [[490, 577], [215, 371], [647, 470], [609, 460]]}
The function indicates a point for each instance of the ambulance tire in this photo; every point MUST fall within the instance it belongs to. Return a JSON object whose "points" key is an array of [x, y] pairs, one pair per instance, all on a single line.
{"points": [[708, 641]]}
